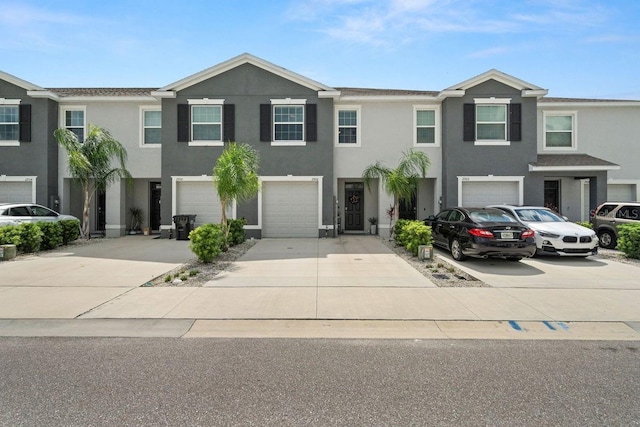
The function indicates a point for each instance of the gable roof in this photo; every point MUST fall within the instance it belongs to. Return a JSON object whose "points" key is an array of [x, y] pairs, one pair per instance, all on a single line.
{"points": [[18, 82], [570, 162], [239, 60], [528, 89]]}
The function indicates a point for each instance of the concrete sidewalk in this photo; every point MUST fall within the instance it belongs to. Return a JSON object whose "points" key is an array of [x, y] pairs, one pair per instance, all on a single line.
{"points": [[345, 287]]}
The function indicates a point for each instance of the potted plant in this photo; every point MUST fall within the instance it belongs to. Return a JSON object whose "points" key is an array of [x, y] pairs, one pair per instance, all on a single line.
{"points": [[373, 221], [136, 220]]}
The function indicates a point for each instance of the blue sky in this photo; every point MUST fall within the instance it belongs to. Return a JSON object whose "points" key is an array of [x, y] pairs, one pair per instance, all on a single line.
{"points": [[574, 48]]}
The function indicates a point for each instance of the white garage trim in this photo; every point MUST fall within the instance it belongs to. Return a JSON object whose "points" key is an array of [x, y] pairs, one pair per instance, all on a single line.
{"points": [[205, 179], [29, 181], [314, 179], [631, 186], [517, 180]]}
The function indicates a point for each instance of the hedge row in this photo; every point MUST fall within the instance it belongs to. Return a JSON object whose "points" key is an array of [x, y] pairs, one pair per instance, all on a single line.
{"points": [[207, 241], [411, 234], [629, 240], [33, 237]]}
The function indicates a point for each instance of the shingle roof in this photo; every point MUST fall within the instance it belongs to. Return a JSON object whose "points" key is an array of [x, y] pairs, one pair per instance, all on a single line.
{"points": [[354, 91], [572, 100], [129, 91], [569, 160]]}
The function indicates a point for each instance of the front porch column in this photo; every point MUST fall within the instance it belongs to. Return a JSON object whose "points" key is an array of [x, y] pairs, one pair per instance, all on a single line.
{"points": [[115, 210]]}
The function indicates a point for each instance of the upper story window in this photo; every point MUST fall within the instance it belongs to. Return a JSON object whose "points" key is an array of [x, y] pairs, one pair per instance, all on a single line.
{"points": [[9, 123], [74, 120], [492, 121], [206, 122], [288, 122], [151, 126], [427, 122], [559, 130], [348, 122], [15, 122]]}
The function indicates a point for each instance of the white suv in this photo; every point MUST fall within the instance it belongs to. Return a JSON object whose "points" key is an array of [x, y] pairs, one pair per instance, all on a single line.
{"points": [[554, 234], [15, 213]]}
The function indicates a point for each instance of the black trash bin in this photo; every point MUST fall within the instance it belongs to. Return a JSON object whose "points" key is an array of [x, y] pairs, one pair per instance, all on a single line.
{"points": [[184, 225]]}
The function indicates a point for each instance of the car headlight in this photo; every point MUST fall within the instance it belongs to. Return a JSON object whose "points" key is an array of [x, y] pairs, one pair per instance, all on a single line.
{"points": [[548, 235]]}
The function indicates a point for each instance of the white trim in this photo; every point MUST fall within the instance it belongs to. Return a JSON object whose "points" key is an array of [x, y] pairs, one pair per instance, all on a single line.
{"points": [[66, 108], [5, 101], [336, 133], [574, 129], [437, 137], [492, 100], [635, 182], [32, 179], [588, 103], [19, 82], [492, 178], [288, 101], [205, 101], [527, 88], [143, 109], [11, 103]]}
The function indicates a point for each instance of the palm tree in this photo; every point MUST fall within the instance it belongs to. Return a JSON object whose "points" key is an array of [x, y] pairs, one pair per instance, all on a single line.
{"points": [[235, 176], [90, 163], [402, 181]]}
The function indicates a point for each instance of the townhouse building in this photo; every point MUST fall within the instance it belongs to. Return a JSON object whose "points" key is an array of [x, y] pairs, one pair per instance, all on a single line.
{"points": [[491, 139]]}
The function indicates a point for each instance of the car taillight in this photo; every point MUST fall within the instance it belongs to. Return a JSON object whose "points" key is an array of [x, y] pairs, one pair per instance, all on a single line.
{"points": [[528, 233], [479, 232]]}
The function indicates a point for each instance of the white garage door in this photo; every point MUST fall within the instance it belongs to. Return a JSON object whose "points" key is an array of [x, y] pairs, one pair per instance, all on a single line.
{"points": [[16, 192], [198, 198], [621, 192], [290, 209], [483, 193]]}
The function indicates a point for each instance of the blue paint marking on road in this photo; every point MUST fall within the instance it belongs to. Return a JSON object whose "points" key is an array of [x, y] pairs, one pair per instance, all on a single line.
{"points": [[563, 325], [549, 325], [515, 325]]}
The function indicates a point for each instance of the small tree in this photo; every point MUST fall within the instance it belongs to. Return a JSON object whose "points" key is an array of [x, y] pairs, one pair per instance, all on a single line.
{"points": [[235, 177], [90, 163], [402, 181]]}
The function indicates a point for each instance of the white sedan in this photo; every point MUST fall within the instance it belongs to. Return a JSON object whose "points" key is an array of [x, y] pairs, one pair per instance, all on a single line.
{"points": [[554, 234]]}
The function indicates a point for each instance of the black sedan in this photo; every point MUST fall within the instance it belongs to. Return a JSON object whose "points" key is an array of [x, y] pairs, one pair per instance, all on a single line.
{"points": [[482, 233]]}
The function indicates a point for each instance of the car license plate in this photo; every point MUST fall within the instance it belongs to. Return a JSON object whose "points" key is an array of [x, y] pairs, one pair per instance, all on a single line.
{"points": [[506, 235]]}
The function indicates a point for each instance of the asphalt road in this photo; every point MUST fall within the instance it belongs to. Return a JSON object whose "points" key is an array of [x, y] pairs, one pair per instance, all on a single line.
{"points": [[262, 382]]}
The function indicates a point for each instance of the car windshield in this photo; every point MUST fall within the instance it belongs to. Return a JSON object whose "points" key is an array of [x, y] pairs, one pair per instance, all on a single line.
{"points": [[538, 215], [490, 216]]}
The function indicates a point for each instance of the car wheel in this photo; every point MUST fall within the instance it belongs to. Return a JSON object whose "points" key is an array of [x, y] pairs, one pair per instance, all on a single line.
{"points": [[607, 239], [456, 250], [514, 258]]}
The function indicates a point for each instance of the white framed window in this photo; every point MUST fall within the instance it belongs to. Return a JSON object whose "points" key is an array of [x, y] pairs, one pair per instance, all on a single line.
{"points": [[348, 132], [492, 115], [288, 121], [426, 121], [559, 130], [206, 121], [9, 122], [151, 119], [74, 119]]}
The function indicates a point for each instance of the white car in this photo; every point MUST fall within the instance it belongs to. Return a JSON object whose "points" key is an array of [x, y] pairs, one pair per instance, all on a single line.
{"points": [[15, 213], [554, 234]]}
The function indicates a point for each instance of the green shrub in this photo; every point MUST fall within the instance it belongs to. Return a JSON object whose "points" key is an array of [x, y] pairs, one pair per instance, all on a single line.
{"points": [[207, 241], [236, 231], [70, 230], [397, 231], [51, 235], [30, 237], [414, 234], [10, 235], [586, 224], [629, 240]]}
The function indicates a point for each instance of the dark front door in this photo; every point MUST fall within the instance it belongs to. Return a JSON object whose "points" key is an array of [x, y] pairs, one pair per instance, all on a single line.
{"points": [[552, 195], [154, 207], [354, 206], [408, 208], [101, 214]]}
